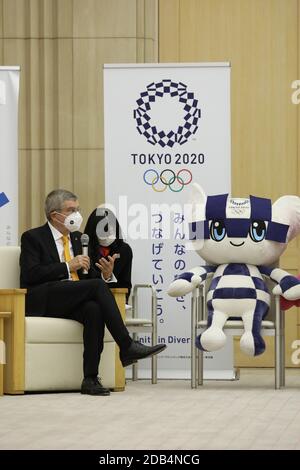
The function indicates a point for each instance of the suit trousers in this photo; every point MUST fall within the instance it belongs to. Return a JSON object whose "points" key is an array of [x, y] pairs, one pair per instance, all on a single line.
{"points": [[91, 303]]}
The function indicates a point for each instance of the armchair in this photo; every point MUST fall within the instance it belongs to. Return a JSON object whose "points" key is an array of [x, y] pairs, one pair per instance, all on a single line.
{"points": [[42, 353]]}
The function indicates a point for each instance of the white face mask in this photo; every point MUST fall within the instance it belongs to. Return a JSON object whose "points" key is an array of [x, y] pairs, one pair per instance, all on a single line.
{"points": [[73, 221], [106, 241], [108, 237]]}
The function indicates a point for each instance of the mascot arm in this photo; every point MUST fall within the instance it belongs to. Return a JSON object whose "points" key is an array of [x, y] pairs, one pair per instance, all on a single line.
{"points": [[187, 282], [288, 286]]}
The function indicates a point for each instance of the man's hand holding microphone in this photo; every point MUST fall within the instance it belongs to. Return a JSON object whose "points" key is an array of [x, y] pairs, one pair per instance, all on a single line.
{"points": [[81, 261], [106, 265]]}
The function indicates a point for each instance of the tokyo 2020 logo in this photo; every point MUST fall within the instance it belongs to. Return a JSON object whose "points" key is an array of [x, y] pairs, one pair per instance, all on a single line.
{"points": [[142, 114]]}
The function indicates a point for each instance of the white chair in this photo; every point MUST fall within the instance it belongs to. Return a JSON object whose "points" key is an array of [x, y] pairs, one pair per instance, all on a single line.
{"points": [[136, 324], [45, 354], [273, 327]]}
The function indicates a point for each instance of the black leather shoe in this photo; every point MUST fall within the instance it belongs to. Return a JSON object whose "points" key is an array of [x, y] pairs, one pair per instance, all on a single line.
{"points": [[93, 386], [138, 351]]}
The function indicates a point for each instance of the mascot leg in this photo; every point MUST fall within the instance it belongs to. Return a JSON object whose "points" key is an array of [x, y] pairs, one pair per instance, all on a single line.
{"points": [[214, 337], [252, 343]]}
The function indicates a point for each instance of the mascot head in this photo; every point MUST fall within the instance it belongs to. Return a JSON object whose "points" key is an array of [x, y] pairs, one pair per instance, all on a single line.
{"points": [[235, 230]]}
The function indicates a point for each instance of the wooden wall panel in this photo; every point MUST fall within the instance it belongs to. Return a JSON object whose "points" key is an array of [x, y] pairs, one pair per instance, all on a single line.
{"points": [[169, 31], [105, 18], [39, 172], [38, 18], [258, 38], [261, 39], [150, 51], [147, 31], [89, 183], [31, 175], [89, 57], [151, 19], [1, 21], [45, 91], [61, 46]]}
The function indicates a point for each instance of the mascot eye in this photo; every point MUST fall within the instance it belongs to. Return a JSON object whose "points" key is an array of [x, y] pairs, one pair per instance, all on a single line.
{"points": [[257, 230], [217, 230]]}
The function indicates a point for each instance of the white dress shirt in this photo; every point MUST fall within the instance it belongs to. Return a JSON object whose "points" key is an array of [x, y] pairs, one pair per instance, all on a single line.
{"points": [[58, 238]]}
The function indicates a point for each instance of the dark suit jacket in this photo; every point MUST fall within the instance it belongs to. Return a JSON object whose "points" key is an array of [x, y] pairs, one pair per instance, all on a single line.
{"points": [[41, 267]]}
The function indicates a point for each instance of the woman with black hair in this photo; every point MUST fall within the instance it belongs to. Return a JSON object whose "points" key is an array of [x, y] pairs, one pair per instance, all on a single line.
{"points": [[108, 251]]}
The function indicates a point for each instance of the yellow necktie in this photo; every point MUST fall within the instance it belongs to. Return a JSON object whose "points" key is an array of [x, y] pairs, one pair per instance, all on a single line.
{"points": [[67, 256]]}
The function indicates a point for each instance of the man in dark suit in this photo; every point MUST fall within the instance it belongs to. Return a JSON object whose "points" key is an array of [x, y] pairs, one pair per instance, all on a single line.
{"points": [[51, 260]]}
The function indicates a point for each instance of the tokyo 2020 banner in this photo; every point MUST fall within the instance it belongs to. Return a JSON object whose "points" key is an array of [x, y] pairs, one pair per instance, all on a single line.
{"points": [[166, 126], [9, 95]]}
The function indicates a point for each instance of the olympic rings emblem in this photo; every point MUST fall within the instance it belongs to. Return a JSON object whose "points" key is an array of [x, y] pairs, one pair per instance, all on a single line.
{"points": [[167, 179]]}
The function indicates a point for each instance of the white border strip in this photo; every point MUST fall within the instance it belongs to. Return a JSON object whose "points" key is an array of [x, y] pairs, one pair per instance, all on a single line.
{"points": [[8, 67], [167, 65]]}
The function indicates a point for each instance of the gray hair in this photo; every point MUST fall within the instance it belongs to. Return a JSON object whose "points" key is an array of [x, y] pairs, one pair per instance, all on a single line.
{"points": [[55, 200]]}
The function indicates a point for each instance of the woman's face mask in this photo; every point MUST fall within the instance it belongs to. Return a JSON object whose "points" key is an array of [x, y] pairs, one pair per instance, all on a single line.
{"points": [[106, 231], [108, 238], [106, 241]]}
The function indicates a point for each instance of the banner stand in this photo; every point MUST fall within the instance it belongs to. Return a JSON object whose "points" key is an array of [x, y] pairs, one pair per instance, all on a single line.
{"points": [[9, 95], [165, 127]]}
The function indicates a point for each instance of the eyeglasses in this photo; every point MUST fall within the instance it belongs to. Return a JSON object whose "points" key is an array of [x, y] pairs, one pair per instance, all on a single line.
{"points": [[69, 210]]}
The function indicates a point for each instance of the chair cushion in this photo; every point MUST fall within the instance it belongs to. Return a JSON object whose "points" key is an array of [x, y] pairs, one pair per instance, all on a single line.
{"points": [[55, 330], [10, 275]]}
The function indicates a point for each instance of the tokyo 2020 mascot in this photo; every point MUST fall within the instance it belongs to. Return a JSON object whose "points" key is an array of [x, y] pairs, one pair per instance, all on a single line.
{"points": [[240, 240]]}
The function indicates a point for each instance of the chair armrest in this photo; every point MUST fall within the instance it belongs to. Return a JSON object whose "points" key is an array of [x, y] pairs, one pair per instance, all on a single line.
{"points": [[13, 291], [13, 301], [120, 297], [5, 314]]}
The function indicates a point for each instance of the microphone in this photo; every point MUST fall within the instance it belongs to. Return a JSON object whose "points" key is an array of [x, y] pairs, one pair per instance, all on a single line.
{"points": [[85, 247]]}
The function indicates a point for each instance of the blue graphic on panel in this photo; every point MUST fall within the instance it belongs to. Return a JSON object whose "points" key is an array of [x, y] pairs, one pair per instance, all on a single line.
{"points": [[188, 127], [3, 199]]}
